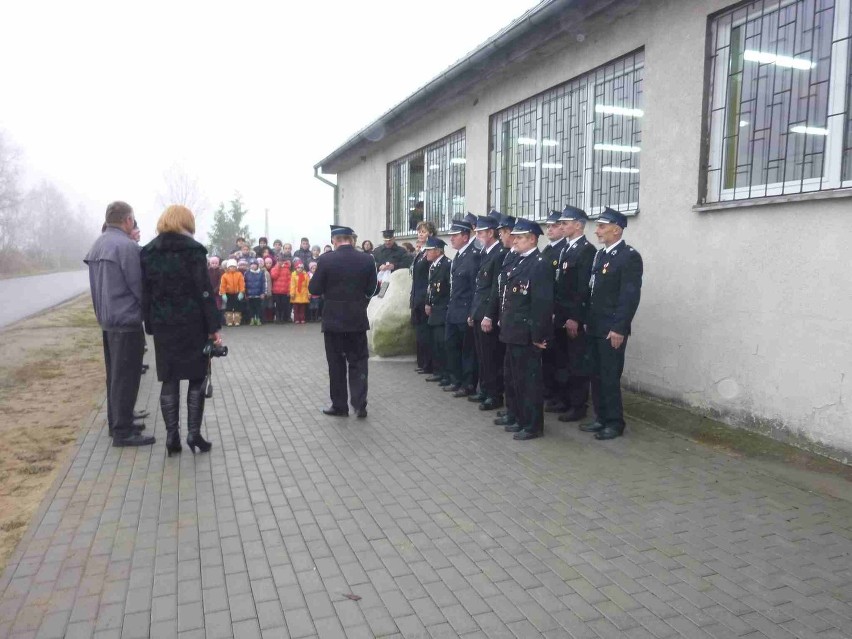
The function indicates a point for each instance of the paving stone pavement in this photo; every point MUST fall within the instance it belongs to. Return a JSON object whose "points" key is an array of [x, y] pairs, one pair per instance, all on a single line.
{"points": [[422, 521]]}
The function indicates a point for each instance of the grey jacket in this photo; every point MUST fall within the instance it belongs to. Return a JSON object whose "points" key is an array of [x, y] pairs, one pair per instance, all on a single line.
{"points": [[115, 277]]}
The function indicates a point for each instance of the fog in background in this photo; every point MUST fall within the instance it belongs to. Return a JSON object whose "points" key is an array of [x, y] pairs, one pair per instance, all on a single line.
{"points": [[107, 101]]}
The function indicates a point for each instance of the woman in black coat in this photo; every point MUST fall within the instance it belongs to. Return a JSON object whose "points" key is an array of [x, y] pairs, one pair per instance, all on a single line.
{"points": [[179, 308]]}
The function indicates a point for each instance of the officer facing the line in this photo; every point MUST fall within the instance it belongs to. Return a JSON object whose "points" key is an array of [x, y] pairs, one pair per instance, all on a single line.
{"points": [[526, 325], [615, 285]]}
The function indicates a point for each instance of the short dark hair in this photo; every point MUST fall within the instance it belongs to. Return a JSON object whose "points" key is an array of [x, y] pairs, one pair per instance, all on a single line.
{"points": [[263, 239], [304, 239], [241, 239], [117, 212]]}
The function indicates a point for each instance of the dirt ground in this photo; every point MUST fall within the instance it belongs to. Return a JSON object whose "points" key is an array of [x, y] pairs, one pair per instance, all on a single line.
{"points": [[51, 377]]}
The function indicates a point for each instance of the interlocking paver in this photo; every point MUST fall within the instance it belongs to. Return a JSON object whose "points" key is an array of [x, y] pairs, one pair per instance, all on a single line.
{"points": [[443, 527]]}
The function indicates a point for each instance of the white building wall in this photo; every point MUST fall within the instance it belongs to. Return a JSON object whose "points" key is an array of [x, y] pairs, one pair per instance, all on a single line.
{"points": [[745, 312]]}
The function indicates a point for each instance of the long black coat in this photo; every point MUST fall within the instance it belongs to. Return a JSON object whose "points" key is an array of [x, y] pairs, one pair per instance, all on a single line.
{"points": [[419, 280], [346, 279], [178, 304], [572, 282], [489, 265]]}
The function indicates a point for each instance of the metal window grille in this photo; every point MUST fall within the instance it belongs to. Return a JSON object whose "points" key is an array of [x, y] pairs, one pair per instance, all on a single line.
{"points": [[428, 184], [577, 143], [779, 92]]}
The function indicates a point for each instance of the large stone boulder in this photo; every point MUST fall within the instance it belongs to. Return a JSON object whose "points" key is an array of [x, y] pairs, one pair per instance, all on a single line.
{"points": [[391, 332]]}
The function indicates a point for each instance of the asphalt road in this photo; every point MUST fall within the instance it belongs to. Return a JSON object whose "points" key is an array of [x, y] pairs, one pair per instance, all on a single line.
{"points": [[25, 296]]}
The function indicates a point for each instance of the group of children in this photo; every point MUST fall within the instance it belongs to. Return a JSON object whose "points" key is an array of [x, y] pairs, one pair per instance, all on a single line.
{"points": [[260, 290]]}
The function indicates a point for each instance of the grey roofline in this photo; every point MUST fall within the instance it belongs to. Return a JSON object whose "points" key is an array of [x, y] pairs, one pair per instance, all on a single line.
{"points": [[536, 20]]}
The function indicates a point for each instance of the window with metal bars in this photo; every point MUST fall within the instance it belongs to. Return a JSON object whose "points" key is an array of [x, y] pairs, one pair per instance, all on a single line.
{"points": [[577, 143], [427, 184], [779, 103]]}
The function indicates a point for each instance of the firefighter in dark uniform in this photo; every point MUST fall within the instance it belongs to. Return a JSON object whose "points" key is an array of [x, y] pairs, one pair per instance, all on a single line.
{"points": [[570, 307], [615, 287], [346, 279], [550, 254], [390, 256], [489, 350], [492, 319], [461, 351], [526, 325], [437, 298], [417, 300]]}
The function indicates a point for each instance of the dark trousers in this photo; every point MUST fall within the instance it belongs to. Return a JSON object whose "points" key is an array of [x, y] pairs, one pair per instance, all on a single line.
{"points": [[490, 352], [422, 338], [438, 343], [255, 307], [342, 349], [572, 371], [123, 353], [550, 364], [607, 365], [461, 355], [234, 305], [282, 307], [523, 374]]}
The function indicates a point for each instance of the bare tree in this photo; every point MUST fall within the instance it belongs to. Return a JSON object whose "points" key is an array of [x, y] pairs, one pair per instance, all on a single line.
{"points": [[180, 187], [10, 194]]}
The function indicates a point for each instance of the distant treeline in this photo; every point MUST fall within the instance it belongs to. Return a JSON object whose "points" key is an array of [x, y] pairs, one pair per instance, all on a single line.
{"points": [[40, 229]]}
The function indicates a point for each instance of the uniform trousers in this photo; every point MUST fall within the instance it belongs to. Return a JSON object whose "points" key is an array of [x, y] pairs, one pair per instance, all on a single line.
{"points": [[342, 349], [490, 352], [550, 365], [522, 372], [123, 352], [461, 355], [438, 344], [607, 364], [572, 371], [422, 338]]}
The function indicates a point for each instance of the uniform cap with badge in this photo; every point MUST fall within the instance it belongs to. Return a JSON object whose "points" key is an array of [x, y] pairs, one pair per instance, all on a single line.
{"points": [[485, 222], [506, 222], [471, 219], [340, 230], [611, 216], [523, 225], [460, 226], [388, 234], [434, 243], [553, 217], [572, 213]]}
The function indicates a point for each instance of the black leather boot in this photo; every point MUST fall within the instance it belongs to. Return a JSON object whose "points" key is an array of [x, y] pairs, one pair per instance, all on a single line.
{"points": [[170, 407], [194, 414]]}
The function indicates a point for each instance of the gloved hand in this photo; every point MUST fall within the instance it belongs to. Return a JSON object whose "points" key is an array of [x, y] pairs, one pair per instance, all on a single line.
{"points": [[240, 296], [224, 299]]}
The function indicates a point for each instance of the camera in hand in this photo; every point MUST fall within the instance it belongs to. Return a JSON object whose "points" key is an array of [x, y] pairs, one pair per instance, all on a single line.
{"points": [[212, 350]]}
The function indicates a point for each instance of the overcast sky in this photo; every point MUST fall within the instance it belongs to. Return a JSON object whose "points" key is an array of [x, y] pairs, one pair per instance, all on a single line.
{"points": [[103, 97]]}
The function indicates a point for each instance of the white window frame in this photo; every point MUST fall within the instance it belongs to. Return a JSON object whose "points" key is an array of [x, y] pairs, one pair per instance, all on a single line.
{"points": [[836, 109]]}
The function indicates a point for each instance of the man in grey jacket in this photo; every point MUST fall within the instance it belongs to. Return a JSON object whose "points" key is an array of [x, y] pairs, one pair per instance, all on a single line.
{"points": [[115, 277]]}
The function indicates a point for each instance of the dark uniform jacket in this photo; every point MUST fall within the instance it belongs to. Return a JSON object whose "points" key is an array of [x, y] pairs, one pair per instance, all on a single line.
{"points": [[178, 304], [462, 284], [526, 304], [419, 280], [572, 282], [346, 279], [396, 255], [615, 286], [485, 292], [438, 295], [550, 254], [504, 264]]}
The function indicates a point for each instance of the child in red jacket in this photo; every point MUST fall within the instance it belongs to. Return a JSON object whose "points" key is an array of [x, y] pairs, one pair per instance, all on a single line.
{"points": [[280, 274]]}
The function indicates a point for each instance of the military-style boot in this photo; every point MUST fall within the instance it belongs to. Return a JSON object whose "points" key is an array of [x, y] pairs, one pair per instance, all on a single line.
{"points": [[170, 407], [194, 414]]}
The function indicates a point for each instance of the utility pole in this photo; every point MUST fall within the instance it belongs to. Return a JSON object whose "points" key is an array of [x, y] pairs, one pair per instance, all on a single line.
{"points": [[266, 222]]}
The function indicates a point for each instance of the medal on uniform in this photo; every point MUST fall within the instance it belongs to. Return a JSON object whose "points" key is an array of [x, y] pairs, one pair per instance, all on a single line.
{"points": [[554, 262]]}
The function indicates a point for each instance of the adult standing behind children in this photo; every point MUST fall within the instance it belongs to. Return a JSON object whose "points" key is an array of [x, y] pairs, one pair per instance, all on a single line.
{"points": [[180, 312], [347, 279], [115, 279]]}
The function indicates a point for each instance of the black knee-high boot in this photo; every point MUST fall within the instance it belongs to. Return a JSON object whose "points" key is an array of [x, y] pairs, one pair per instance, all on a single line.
{"points": [[170, 407], [195, 412]]}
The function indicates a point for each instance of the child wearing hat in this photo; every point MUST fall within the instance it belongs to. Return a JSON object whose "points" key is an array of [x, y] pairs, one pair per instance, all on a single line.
{"points": [[255, 291], [232, 288], [299, 295]]}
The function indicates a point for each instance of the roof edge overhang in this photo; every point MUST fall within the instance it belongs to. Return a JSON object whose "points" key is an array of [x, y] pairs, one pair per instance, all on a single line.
{"points": [[545, 21]]}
